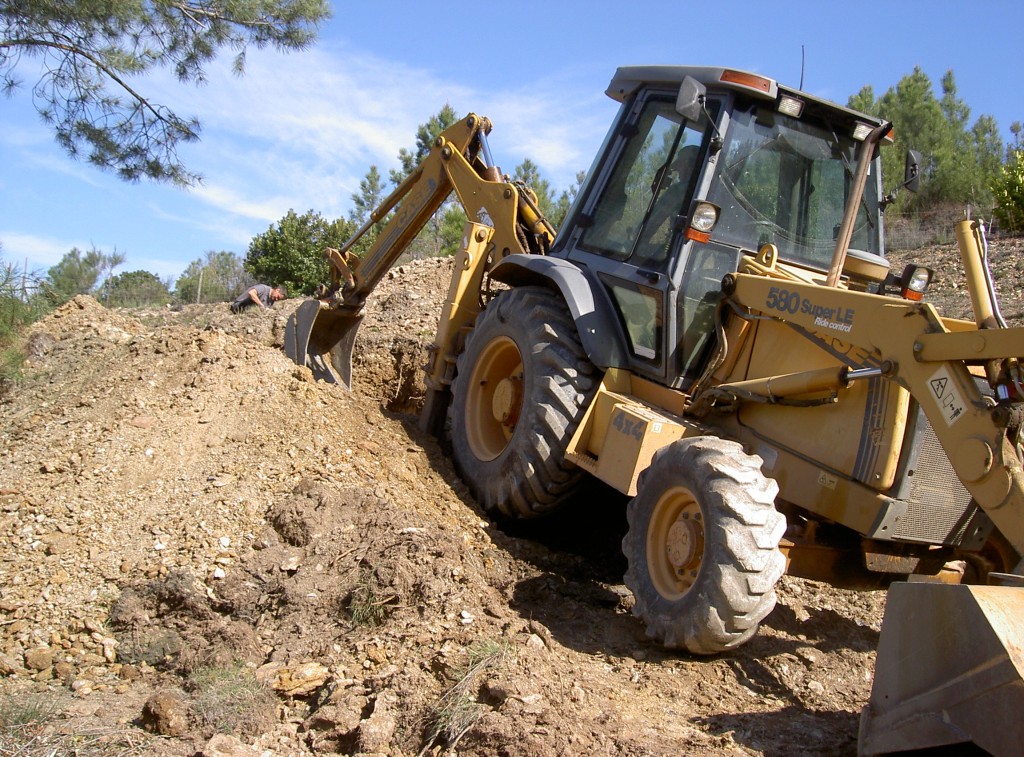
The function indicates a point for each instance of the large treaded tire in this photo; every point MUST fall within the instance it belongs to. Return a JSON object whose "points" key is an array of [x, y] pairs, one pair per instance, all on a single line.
{"points": [[702, 545], [521, 387]]}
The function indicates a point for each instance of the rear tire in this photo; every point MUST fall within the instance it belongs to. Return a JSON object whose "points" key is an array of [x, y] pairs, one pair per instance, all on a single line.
{"points": [[522, 385], [702, 545]]}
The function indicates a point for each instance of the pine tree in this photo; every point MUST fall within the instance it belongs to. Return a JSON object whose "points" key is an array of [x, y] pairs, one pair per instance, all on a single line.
{"points": [[93, 54]]}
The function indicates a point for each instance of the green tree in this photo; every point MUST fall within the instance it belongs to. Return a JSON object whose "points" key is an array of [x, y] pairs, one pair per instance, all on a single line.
{"points": [[20, 305], [215, 277], [864, 101], [370, 195], [77, 273], [964, 173], [528, 173], [1008, 185], [136, 289], [959, 159], [565, 201], [435, 238], [988, 144], [920, 124], [291, 252], [555, 208], [426, 134], [94, 52], [449, 230]]}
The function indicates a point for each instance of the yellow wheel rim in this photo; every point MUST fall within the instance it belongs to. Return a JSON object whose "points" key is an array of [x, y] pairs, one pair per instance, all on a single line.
{"points": [[494, 398], [675, 543]]}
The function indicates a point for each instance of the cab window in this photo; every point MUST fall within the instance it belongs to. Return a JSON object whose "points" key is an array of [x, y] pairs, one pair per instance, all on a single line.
{"points": [[634, 219]]}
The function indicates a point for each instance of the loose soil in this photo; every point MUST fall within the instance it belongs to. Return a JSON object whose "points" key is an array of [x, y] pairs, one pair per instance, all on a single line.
{"points": [[179, 502]]}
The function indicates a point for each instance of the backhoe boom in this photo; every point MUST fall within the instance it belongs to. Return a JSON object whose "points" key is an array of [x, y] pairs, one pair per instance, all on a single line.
{"points": [[325, 328]]}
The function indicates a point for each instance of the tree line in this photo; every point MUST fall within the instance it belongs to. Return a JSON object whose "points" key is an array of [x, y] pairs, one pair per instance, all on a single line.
{"points": [[966, 165], [91, 55]]}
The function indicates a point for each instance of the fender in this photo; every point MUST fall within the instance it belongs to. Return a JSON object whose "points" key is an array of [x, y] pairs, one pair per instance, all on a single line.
{"points": [[600, 333]]}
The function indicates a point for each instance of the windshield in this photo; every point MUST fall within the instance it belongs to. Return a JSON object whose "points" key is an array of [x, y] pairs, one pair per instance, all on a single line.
{"points": [[785, 181]]}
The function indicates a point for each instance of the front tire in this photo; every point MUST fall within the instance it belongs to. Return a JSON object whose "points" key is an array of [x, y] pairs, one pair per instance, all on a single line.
{"points": [[702, 545], [522, 385]]}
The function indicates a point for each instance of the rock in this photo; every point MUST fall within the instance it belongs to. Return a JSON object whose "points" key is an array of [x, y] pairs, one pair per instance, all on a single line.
{"points": [[300, 680], [39, 344], [534, 704], [65, 671], [376, 732], [9, 667], [166, 713], [58, 543], [109, 649], [224, 745], [82, 687], [809, 656], [40, 658], [266, 538]]}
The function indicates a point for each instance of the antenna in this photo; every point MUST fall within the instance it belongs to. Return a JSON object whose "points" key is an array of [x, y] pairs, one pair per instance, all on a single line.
{"points": [[803, 61]]}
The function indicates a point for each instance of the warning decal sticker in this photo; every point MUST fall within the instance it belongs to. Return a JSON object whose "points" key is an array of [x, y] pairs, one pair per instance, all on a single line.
{"points": [[947, 396]]}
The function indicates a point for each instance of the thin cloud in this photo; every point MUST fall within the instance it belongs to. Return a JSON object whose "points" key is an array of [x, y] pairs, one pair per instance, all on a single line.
{"points": [[41, 252], [301, 131]]}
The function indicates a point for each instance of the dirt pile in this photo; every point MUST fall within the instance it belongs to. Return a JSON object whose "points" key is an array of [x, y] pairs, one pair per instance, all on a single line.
{"points": [[189, 522]]}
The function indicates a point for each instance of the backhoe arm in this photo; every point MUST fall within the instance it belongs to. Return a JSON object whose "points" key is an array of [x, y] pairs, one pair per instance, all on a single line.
{"points": [[458, 161], [322, 331]]}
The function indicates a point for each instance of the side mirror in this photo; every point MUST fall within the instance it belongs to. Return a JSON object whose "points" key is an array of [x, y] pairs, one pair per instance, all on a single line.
{"points": [[912, 171], [690, 100], [911, 179]]}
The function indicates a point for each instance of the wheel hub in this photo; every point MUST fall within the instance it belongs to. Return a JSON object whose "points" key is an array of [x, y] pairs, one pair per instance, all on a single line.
{"points": [[494, 398], [681, 546], [675, 543], [507, 400]]}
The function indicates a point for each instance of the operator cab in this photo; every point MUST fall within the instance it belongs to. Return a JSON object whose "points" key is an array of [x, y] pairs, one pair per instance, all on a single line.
{"points": [[702, 166]]}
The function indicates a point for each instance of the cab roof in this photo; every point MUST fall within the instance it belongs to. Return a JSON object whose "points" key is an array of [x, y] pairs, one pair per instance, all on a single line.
{"points": [[628, 79]]}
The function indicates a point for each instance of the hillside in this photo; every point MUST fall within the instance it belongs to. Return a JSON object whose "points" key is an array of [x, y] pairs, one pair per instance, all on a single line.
{"points": [[185, 512]]}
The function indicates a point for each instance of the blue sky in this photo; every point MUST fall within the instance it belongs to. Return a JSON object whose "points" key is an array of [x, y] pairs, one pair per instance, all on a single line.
{"points": [[299, 131]]}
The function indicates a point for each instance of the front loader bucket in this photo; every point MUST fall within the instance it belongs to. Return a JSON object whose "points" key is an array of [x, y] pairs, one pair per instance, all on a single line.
{"points": [[322, 338], [948, 671]]}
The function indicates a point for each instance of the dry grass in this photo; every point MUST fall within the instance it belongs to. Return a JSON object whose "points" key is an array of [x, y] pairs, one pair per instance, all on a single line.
{"points": [[230, 700], [367, 606], [457, 710], [31, 726]]}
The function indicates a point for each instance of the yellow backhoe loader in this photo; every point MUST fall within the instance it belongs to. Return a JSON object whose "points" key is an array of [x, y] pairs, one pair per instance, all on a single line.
{"points": [[716, 332]]}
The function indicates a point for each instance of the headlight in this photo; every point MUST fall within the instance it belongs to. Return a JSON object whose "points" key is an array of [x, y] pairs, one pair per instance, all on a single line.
{"points": [[790, 106], [702, 220], [914, 282]]}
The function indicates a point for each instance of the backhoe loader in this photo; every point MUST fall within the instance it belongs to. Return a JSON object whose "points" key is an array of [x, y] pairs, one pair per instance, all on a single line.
{"points": [[715, 331]]}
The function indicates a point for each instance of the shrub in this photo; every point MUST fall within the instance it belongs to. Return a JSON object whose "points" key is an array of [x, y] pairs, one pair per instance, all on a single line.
{"points": [[1008, 188]]}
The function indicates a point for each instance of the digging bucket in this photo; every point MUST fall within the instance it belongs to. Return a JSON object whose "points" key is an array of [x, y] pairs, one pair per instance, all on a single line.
{"points": [[322, 339], [949, 670]]}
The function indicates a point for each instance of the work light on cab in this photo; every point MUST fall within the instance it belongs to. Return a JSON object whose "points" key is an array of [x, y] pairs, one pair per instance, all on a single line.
{"points": [[702, 221]]}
